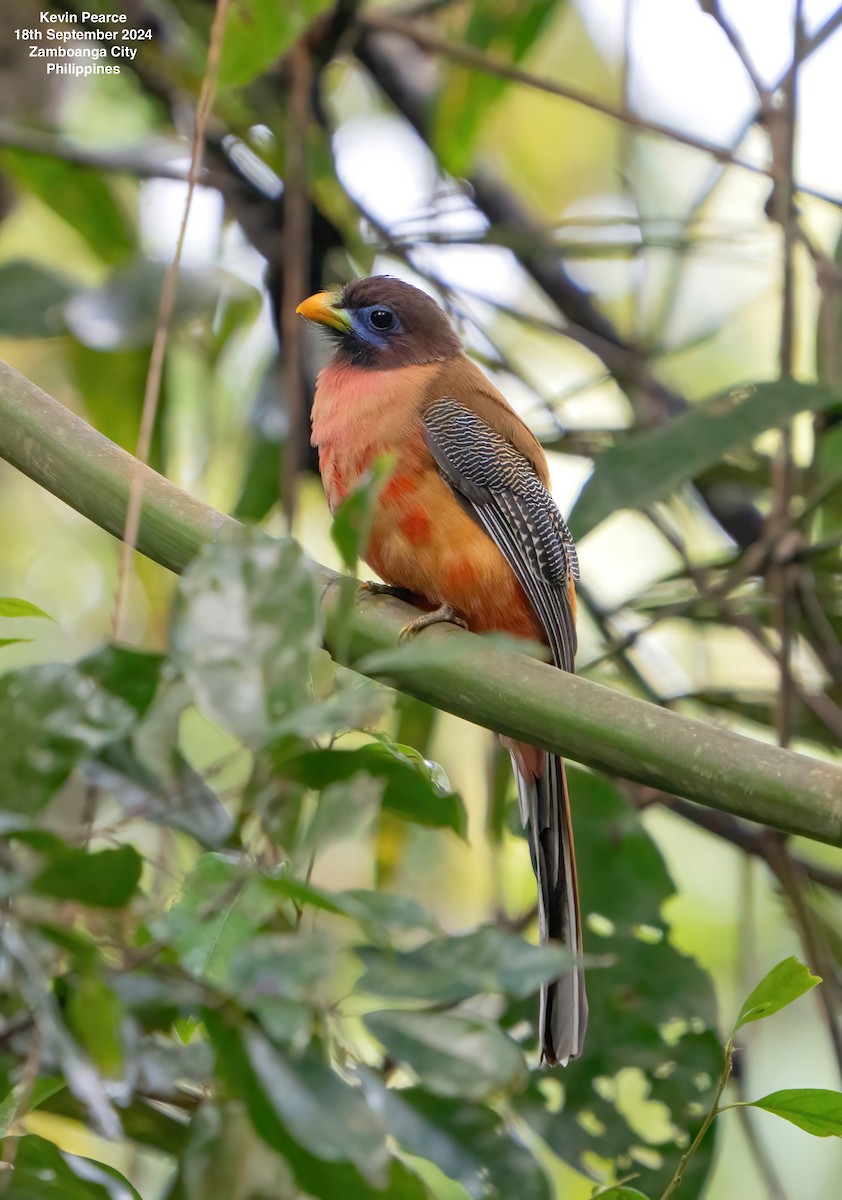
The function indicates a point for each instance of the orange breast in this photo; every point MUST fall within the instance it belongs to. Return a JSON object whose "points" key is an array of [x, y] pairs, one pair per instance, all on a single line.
{"points": [[421, 539]]}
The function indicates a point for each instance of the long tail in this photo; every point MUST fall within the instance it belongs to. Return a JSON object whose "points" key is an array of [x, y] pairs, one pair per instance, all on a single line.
{"points": [[545, 811]]}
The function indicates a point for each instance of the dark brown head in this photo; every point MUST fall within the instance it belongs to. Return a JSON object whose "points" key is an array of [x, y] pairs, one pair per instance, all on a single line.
{"points": [[380, 322]]}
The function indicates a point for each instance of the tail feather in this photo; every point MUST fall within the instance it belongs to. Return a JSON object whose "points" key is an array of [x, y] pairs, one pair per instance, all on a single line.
{"points": [[545, 812]]}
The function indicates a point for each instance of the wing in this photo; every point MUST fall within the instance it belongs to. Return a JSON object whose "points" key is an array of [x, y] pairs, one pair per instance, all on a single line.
{"points": [[500, 489]]}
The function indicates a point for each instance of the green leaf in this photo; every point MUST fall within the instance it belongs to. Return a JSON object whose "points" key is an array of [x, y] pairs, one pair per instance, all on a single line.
{"points": [[21, 1099], [652, 1009], [326, 1116], [352, 520], [100, 375], [260, 476], [258, 32], [450, 969], [378, 912], [408, 791], [220, 907], [508, 31], [314, 1173], [95, 1017], [55, 716], [816, 1110], [11, 607], [784, 983], [295, 966], [452, 1054], [43, 1172], [471, 1144], [652, 465], [31, 297], [13, 641], [181, 799], [130, 674], [245, 631], [622, 1193], [106, 878], [80, 195]]}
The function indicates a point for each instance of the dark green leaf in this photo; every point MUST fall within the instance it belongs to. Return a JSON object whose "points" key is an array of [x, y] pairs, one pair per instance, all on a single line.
{"points": [[80, 195], [315, 1175], [784, 983], [13, 641], [326, 1116], [817, 1110], [54, 716], [130, 674], [452, 1054], [261, 483], [652, 465], [43, 1172], [105, 878], [30, 300], [450, 969], [408, 789], [245, 632], [469, 1143], [652, 1009], [12, 607], [258, 32]]}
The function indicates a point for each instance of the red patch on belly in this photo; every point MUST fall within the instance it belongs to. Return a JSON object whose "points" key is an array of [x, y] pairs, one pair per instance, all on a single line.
{"points": [[398, 488], [415, 526]]}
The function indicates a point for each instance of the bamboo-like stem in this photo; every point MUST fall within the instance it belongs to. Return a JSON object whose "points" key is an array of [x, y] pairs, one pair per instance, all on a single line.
{"points": [[510, 693]]}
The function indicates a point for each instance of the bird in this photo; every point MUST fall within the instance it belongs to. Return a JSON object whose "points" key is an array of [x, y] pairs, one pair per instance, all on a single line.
{"points": [[465, 525]]}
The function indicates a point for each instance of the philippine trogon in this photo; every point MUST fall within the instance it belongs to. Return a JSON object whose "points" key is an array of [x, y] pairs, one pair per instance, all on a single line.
{"points": [[466, 523]]}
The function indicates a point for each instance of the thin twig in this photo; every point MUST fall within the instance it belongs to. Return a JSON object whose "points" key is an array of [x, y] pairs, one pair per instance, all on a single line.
{"points": [[746, 971], [166, 304], [782, 139], [296, 241], [794, 884], [379, 21], [742, 834], [819, 704], [713, 9]]}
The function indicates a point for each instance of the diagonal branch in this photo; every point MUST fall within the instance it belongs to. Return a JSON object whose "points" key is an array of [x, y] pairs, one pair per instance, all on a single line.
{"points": [[510, 693]]}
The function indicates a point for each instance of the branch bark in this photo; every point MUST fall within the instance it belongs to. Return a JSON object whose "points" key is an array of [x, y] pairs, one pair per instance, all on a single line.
{"points": [[506, 692]]}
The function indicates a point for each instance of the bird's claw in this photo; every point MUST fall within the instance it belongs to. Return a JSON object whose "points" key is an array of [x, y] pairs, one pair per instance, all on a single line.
{"points": [[372, 588], [445, 614]]}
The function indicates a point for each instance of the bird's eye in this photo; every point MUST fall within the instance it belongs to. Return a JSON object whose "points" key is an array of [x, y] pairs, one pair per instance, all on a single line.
{"points": [[381, 319]]}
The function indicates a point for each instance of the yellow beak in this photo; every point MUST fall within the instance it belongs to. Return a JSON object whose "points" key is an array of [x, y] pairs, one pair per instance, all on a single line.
{"points": [[322, 309]]}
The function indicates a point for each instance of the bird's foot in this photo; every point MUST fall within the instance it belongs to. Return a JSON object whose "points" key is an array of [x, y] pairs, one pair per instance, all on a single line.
{"points": [[445, 614], [369, 588]]}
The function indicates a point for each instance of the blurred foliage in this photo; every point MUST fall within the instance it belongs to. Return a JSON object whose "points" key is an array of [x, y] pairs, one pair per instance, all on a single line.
{"points": [[242, 936], [238, 992]]}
